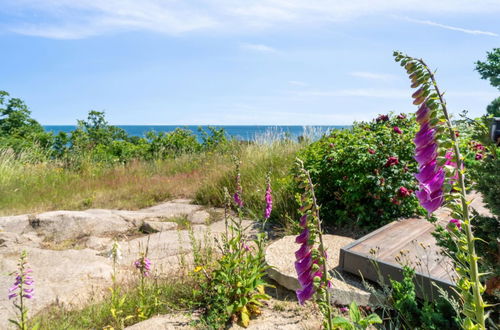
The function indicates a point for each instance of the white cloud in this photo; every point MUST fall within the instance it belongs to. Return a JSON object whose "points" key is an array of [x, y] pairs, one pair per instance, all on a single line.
{"points": [[258, 48], [453, 28], [72, 19], [372, 75]]}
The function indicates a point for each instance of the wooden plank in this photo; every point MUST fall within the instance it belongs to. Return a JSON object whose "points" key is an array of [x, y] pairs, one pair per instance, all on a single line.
{"points": [[411, 240]]}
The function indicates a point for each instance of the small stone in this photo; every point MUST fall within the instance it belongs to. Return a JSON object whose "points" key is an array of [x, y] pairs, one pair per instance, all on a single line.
{"points": [[149, 227], [199, 217], [280, 256]]}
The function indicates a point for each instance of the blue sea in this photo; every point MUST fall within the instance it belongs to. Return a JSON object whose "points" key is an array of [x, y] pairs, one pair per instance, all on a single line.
{"points": [[239, 132]]}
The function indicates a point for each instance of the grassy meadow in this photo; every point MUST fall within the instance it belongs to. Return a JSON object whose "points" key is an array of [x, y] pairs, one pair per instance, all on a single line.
{"points": [[29, 185]]}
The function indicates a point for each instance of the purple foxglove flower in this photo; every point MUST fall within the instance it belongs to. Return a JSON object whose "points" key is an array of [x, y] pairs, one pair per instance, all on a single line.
{"points": [[423, 116], [433, 202], [303, 237], [245, 246], [427, 172], [303, 221], [423, 195], [417, 93], [303, 251], [237, 195], [28, 296], [424, 138], [143, 264], [435, 183], [426, 154], [423, 109], [456, 223], [237, 199], [304, 265], [269, 202], [12, 295], [307, 277], [305, 293]]}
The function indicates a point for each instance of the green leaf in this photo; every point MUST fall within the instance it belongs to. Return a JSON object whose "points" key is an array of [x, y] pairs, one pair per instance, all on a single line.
{"points": [[354, 313]]}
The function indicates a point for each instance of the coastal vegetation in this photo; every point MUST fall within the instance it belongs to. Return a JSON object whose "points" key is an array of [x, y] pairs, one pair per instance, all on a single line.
{"points": [[360, 178]]}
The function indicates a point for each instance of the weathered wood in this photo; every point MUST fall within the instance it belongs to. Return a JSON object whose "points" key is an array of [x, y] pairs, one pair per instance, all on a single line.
{"points": [[405, 242]]}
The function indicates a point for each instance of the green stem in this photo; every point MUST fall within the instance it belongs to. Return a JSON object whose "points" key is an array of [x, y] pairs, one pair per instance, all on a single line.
{"points": [[324, 278], [473, 266]]}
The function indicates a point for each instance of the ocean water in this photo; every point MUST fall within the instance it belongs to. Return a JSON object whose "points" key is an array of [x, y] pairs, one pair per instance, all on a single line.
{"points": [[239, 132]]}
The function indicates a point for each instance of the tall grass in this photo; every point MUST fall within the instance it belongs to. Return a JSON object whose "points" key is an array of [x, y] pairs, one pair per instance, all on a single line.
{"points": [[262, 156], [30, 182], [34, 186]]}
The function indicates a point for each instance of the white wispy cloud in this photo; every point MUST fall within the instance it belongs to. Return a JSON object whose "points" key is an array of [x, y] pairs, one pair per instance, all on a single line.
{"points": [[453, 28], [372, 75], [71, 19], [258, 48]]}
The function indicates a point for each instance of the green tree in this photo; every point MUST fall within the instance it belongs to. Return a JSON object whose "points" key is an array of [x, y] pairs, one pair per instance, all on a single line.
{"points": [[17, 129], [494, 108], [95, 131], [490, 69]]}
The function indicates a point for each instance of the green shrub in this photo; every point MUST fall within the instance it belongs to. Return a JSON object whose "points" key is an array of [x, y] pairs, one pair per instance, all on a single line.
{"points": [[179, 141], [236, 288], [420, 315], [365, 175], [489, 184]]}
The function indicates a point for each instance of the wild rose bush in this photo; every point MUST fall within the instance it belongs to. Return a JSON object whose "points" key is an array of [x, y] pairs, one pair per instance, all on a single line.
{"points": [[365, 175]]}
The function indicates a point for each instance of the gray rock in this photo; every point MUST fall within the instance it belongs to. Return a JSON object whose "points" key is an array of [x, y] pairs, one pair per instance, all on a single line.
{"points": [[199, 217], [69, 277], [280, 255], [149, 227]]}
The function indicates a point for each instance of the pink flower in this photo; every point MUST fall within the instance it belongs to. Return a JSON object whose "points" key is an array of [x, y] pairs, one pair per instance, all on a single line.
{"points": [[404, 192], [397, 130], [344, 309], [143, 264], [395, 201], [269, 201], [402, 116], [456, 223], [393, 160], [237, 194], [371, 151], [478, 156], [382, 118]]}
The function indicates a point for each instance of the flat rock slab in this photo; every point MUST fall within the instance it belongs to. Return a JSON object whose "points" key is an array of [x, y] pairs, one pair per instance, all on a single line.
{"points": [[149, 227], [68, 250], [70, 277], [280, 256]]}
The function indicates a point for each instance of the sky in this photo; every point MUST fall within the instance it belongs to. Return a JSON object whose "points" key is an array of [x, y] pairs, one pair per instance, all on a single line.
{"points": [[240, 62]]}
